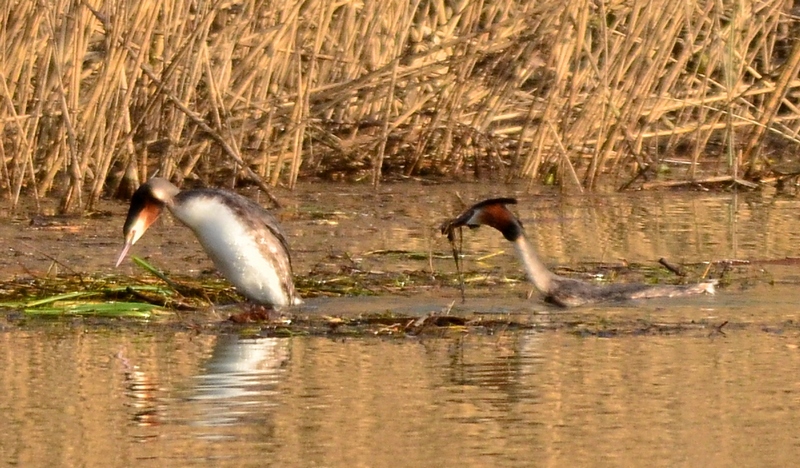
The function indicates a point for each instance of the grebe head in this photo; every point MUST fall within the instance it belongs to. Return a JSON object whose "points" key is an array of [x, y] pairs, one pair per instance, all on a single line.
{"points": [[492, 212], [146, 205]]}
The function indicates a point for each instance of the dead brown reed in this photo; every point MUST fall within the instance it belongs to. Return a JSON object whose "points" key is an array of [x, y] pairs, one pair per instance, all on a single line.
{"points": [[97, 96]]}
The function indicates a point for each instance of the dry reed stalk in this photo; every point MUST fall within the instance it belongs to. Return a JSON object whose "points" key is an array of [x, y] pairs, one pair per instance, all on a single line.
{"points": [[299, 119]]}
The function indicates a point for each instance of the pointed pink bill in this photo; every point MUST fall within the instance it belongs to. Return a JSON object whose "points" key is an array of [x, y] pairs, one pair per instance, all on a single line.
{"points": [[124, 252]]}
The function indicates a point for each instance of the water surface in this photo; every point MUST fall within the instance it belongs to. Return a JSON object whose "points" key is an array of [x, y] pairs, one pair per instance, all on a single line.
{"points": [[551, 398]]}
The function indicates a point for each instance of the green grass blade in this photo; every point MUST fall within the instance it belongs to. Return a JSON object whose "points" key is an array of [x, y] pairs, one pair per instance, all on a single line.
{"points": [[100, 309], [154, 271], [61, 297]]}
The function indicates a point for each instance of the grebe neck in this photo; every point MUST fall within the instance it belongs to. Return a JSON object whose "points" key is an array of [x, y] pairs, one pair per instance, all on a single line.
{"points": [[537, 272]]}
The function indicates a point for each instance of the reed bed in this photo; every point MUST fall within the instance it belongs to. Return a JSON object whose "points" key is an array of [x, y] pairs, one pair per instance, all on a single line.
{"points": [[98, 96]]}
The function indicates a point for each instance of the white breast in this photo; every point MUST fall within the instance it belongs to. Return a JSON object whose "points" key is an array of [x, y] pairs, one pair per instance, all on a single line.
{"points": [[241, 255]]}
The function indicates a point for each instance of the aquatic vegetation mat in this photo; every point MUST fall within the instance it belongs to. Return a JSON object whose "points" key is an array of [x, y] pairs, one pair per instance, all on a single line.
{"points": [[209, 302], [106, 296]]}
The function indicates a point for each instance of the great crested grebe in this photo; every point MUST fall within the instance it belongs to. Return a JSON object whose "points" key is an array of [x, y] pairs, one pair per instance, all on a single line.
{"points": [[565, 292], [244, 241]]}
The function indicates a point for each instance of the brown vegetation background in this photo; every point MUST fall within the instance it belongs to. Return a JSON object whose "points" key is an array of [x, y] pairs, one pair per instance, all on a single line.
{"points": [[98, 96]]}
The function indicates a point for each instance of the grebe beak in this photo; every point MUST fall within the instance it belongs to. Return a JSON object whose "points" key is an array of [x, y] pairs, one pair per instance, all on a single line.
{"points": [[132, 234], [448, 227], [128, 243]]}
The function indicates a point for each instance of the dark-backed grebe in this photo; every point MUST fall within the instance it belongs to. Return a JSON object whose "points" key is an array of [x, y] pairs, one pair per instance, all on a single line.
{"points": [[245, 242], [565, 292]]}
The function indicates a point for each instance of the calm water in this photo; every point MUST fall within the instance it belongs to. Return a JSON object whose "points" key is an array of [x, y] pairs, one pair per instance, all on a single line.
{"points": [[79, 393]]}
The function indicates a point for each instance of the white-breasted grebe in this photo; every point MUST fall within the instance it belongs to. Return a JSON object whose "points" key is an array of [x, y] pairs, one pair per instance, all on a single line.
{"points": [[565, 292], [245, 242]]}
